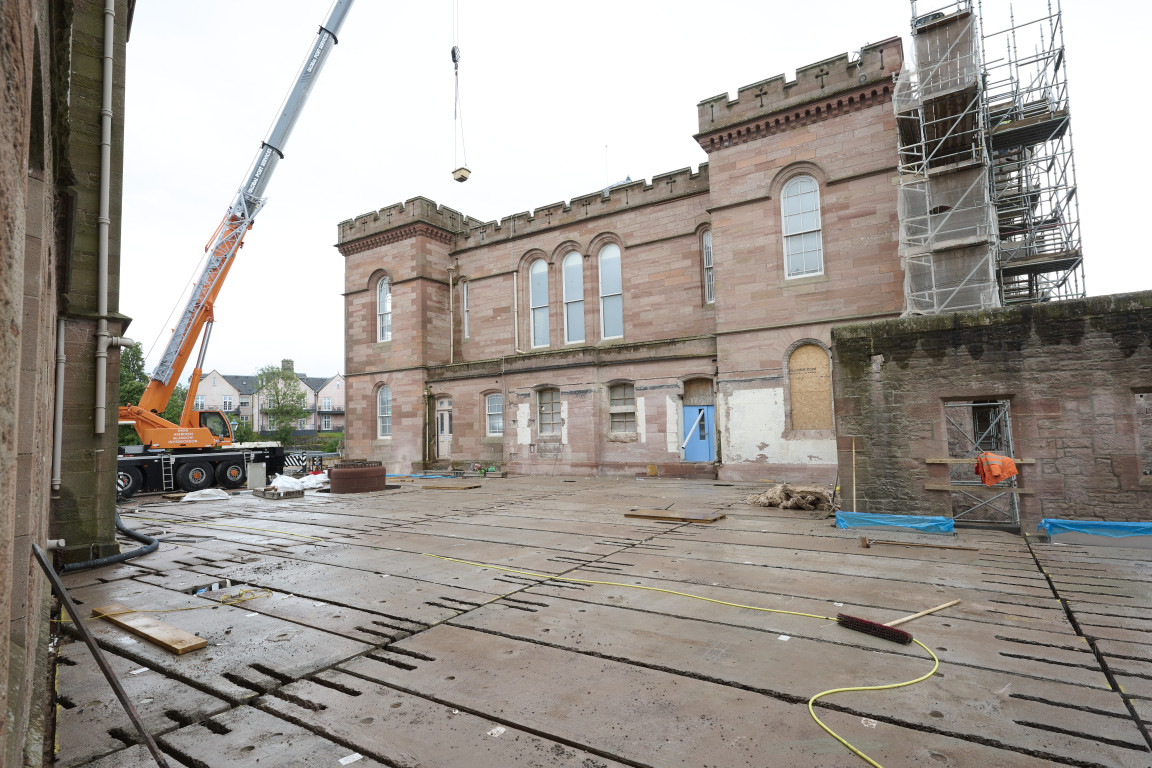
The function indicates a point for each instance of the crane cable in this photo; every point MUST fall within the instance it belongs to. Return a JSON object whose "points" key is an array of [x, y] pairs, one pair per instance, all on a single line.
{"points": [[457, 109]]}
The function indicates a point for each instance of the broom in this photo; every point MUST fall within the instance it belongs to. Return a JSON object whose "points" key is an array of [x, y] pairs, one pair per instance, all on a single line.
{"points": [[886, 631]]}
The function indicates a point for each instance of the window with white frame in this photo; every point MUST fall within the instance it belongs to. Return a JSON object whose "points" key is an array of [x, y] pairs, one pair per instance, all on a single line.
{"points": [[384, 310], [548, 404], [494, 415], [326, 423], [327, 404], [271, 423], [573, 298], [538, 301], [803, 246], [464, 305], [611, 293], [243, 419], [622, 407], [227, 402], [300, 424], [384, 412], [244, 402], [709, 278], [198, 403]]}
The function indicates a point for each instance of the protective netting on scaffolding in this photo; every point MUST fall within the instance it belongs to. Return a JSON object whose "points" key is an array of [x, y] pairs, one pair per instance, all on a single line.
{"points": [[945, 210], [950, 281]]}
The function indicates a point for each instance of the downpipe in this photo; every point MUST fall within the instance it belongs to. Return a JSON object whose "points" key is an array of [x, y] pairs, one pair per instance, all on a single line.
{"points": [[58, 407], [103, 337]]}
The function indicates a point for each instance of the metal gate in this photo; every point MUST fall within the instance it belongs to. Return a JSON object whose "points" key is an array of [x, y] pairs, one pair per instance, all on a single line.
{"points": [[974, 427]]}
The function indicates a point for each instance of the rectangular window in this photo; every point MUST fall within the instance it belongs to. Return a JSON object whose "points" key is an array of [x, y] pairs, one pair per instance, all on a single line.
{"points": [[327, 423], [622, 408], [198, 403], [227, 402], [464, 309], [709, 278], [327, 404], [573, 298], [300, 424], [243, 419], [271, 423], [549, 421], [611, 293], [494, 412], [244, 402]]}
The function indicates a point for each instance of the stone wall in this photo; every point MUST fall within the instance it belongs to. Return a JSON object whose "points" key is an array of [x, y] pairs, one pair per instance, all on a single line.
{"points": [[1076, 375]]}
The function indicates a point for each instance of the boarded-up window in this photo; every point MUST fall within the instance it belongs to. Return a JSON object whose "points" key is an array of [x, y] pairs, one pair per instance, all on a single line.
{"points": [[698, 392], [810, 388]]}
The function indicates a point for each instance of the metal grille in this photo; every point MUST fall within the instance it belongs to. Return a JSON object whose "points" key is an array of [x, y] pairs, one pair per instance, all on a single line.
{"points": [[974, 427]]}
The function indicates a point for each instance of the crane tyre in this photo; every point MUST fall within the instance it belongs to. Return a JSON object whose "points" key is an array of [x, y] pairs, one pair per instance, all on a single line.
{"points": [[230, 474], [194, 476], [128, 481]]}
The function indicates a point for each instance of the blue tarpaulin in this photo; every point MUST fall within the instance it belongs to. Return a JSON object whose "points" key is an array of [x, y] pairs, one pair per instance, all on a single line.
{"points": [[921, 523], [1095, 528]]}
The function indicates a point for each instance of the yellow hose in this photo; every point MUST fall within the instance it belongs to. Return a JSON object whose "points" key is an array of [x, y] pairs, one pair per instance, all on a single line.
{"points": [[811, 709]]}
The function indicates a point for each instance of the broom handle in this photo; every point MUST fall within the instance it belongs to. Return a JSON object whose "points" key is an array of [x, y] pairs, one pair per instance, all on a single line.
{"points": [[922, 613]]}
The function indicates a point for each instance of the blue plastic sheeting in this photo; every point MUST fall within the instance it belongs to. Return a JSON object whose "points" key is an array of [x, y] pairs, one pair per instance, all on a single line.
{"points": [[1094, 527], [422, 477], [916, 522]]}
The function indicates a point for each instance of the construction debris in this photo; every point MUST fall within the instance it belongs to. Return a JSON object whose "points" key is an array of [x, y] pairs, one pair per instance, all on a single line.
{"points": [[787, 496], [866, 543], [164, 635], [680, 517]]}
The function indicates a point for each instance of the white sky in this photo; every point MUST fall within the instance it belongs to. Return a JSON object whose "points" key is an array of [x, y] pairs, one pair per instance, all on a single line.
{"points": [[544, 89]]}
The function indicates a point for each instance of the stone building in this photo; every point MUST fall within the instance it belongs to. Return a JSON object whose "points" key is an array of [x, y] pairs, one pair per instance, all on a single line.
{"points": [[680, 327], [60, 183]]}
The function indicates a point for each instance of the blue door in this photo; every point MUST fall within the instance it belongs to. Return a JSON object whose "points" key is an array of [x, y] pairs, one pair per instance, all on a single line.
{"points": [[699, 444]]}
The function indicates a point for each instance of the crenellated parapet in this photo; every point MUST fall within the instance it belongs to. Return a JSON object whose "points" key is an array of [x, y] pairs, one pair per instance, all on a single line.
{"points": [[614, 199], [825, 88], [416, 217]]}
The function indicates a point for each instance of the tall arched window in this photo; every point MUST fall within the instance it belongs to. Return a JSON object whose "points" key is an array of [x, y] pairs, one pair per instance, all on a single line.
{"points": [[800, 209], [611, 293], [538, 301], [494, 415], [384, 412], [384, 310], [573, 298], [709, 278]]}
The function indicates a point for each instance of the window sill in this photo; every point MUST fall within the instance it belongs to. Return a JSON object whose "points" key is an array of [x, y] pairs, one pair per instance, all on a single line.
{"points": [[382, 441], [492, 439], [551, 437], [809, 434], [790, 282], [622, 437]]}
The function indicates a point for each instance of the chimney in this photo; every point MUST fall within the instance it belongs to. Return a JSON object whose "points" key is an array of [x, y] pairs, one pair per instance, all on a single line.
{"points": [[286, 365]]}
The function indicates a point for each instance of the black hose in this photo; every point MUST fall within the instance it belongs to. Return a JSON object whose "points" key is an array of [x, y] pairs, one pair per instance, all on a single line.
{"points": [[151, 546]]}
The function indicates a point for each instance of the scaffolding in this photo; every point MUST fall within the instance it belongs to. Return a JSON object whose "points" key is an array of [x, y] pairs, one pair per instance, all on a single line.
{"points": [[987, 199]]}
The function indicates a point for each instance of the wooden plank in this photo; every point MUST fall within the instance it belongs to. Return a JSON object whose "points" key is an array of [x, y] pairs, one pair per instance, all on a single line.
{"points": [[683, 517], [446, 487], [996, 488], [972, 461], [164, 635]]}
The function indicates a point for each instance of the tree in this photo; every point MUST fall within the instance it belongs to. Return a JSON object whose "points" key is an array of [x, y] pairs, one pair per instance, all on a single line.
{"points": [[281, 398], [133, 381]]}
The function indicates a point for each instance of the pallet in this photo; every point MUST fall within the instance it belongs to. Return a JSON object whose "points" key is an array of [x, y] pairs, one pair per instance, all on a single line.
{"points": [[166, 636], [681, 517], [272, 493]]}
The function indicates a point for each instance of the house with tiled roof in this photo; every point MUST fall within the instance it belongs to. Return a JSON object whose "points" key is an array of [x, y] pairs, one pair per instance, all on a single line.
{"points": [[238, 396]]}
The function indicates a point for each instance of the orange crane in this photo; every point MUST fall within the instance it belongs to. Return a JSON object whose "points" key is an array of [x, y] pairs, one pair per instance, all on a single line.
{"points": [[188, 454]]}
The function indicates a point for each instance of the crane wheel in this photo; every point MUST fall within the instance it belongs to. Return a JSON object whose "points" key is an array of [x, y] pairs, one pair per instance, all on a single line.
{"points": [[230, 474], [194, 476], [128, 481]]}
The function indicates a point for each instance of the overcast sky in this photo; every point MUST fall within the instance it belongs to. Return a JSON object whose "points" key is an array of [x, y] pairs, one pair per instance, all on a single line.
{"points": [[545, 88]]}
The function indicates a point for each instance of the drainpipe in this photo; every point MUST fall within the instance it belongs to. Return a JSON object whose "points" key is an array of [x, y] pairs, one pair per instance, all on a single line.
{"points": [[104, 340], [451, 318], [515, 314], [58, 409]]}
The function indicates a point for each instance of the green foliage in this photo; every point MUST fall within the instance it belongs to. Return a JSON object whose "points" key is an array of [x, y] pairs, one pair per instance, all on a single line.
{"points": [[282, 399], [244, 433], [333, 443], [133, 381]]}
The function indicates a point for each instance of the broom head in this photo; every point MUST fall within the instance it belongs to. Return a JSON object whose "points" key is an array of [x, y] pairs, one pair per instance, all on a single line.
{"points": [[873, 628]]}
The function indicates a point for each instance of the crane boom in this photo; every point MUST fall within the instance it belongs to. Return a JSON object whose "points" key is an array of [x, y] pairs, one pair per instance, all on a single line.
{"points": [[229, 235]]}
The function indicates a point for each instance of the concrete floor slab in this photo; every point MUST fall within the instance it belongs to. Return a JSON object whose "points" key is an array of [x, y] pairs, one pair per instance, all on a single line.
{"points": [[90, 720], [247, 652], [652, 718], [407, 730], [249, 738]]}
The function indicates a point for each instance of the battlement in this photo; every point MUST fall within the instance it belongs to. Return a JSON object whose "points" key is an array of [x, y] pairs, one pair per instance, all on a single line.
{"points": [[666, 186], [473, 232], [413, 211], [814, 82]]}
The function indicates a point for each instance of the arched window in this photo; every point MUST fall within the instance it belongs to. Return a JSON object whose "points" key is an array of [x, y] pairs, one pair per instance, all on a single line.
{"points": [[810, 387], [384, 310], [611, 293], [573, 298], [464, 305], [538, 301], [709, 278], [800, 209], [384, 412], [494, 415]]}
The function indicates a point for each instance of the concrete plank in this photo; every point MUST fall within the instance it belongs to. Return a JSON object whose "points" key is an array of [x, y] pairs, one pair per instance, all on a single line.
{"points": [[408, 558], [403, 729], [554, 525], [662, 720], [245, 654], [446, 542], [88, 712], [249, 738], [133, 757]]}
